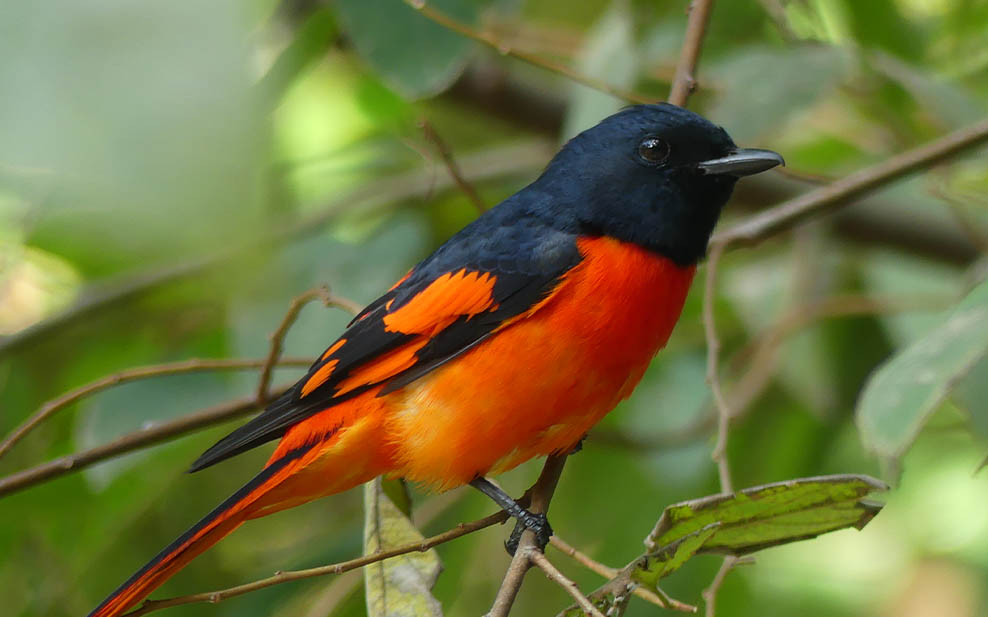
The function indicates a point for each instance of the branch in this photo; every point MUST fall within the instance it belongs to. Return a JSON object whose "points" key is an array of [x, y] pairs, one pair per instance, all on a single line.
{"points": [[684, 83], [710, 593], [610, 573], [840, 192], [541, 493], [444, 20], [277, 338], [337, 568], [713, 375], [454, 170], [193, 365], [553, 574], [137, 440]]}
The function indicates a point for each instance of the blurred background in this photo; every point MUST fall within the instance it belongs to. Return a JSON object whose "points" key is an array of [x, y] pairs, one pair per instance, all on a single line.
{"points": [[172, 174]]}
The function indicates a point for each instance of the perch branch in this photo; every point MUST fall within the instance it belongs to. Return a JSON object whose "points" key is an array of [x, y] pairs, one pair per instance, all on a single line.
{"points": [[541, 493]]}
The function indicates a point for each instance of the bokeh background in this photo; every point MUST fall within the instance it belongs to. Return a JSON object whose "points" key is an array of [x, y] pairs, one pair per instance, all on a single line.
{"points": [[173, 173]]}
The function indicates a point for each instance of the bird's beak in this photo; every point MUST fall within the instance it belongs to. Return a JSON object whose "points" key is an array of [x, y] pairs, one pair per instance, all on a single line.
{"points": [[742, 162]]}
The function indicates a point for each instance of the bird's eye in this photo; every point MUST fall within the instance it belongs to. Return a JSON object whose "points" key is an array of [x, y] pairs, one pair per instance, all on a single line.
{"points": [[653, 151]]}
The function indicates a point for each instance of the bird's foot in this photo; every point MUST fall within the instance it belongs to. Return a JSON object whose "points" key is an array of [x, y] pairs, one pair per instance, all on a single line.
{"points": [[538, 523]]}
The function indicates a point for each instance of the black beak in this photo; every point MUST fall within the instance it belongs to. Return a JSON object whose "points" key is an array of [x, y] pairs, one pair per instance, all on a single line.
{"points": [[743, 162]]}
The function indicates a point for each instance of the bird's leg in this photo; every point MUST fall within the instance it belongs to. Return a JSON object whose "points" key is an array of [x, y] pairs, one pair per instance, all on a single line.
{"points": [[526, 520]]}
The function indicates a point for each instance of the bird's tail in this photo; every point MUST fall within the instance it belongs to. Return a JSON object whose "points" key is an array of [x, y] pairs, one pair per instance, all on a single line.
{"points": [[229, 515], [333, 453]]}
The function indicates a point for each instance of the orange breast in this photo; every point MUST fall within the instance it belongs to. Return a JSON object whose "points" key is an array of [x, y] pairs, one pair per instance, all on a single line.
{"points": [[541, 382]]}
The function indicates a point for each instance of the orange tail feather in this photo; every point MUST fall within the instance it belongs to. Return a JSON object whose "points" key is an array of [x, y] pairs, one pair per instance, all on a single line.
{"points": [[211, 529]]}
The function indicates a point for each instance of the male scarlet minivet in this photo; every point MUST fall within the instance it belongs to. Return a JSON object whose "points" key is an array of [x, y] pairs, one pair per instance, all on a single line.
{"points": [[509, 342]]}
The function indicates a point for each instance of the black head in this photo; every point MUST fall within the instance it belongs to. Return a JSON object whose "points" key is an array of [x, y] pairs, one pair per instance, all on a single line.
{"points": [[655, 175]]}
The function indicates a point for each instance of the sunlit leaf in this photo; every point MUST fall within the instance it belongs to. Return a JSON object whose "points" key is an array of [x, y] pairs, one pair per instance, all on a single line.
{"points": [[761, 516], [400, 586], [907, 389], [743, 522], [415, 56]]}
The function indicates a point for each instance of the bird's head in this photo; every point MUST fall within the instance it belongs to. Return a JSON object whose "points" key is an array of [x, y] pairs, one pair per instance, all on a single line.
{"points": [[655, 175]]}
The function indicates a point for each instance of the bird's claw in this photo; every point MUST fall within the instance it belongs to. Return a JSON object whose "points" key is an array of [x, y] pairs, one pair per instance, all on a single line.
{"points": [[538, 523]]}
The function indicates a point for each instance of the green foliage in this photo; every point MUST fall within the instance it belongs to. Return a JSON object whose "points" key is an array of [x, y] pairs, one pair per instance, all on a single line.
{"points": [[739, 523], [907, 389], [413, 55]]}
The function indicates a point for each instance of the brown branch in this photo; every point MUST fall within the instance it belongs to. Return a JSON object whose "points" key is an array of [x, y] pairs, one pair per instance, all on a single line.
{"points": [[658, 599], [143, 438], [541, 493], [840, 192], [193, 365], [430, 12], [553, 574], [684, 84], [278, 337], [713, 373], [451, 166], [156, 434], [710, 593], [337, 568]]}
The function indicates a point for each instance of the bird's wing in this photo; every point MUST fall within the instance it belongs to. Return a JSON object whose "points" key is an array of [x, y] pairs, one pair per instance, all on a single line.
{"points": [[427, 319]]}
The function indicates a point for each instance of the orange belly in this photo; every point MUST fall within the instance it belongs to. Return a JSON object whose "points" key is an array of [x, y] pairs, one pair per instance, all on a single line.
{"points": [[539, 384]]}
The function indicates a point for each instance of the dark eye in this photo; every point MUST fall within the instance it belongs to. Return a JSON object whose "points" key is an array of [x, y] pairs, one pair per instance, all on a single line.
{"points": [[653, 150]]}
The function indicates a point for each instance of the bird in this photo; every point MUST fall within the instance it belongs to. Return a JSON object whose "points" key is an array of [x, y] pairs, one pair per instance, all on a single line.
{"points": [[509, 342]]}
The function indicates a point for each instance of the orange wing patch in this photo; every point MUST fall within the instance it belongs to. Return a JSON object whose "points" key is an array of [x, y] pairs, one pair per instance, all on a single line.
{"points": [[443, 302], [333, 349], [383, 367], [319, 377]]}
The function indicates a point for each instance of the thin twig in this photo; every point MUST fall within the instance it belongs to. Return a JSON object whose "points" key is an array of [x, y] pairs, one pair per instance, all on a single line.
{"points": [[723, 410], [148, 436], [553, 574], [684, 84], [710, 593], [193, 365], [541, 493], [840, 192], [959, 209], [430, 12], [278, 337], [338, 568], [713, 373], [451, 166], [608, 572]]}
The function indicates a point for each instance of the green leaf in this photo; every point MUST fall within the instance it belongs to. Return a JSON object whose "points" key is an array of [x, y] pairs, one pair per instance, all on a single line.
{"points": [[788, 83], [415, 56], [743, 522], [907, 389], [400, 586], [768, 515]]}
